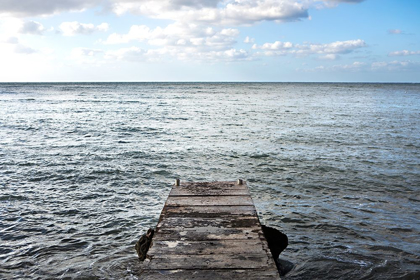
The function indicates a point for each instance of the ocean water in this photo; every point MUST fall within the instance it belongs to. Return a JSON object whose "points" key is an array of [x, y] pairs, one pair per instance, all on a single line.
{"points": [[85, 170]]}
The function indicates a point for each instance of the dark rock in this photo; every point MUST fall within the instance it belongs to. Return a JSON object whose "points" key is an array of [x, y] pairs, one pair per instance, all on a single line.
{"points": [[277, 241], [284, 266], [143, 245]]}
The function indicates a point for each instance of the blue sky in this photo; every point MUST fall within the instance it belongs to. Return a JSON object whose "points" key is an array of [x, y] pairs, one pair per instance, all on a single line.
{"points": [[210, 40]]}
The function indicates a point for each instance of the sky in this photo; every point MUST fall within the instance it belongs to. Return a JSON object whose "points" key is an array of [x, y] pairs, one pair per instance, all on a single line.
{"points": [[210, 40]]}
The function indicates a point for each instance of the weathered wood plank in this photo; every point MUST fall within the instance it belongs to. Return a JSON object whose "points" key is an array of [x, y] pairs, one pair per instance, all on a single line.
{"points": [[248, 274], [226, 221], [225, 261], [208, 211], [206, 247], [206, 233], [181, 191], [209, 201], [213, 185]]}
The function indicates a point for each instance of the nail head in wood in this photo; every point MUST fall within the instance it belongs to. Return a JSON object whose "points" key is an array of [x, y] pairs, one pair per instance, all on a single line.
{"points": [[177, 182], [240, 182]]}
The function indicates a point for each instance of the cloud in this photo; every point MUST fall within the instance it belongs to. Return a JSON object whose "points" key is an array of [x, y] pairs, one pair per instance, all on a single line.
{"points": [[334, 3], [181, 41], [29, 8], [87, 56], [249, 40], [338, 47], [274, 46], [22, 49], [32, 27], [135, 54], [83, 52], [179, 35], [404, 53], [325, 51], [356, 66], [74, 28], [132, 54], [10, 40], [329, 57], [347, 1], [380, 66], [231, 55], [216, 12], [396, 66], [230, 12], [395, 31], [15, 46]]}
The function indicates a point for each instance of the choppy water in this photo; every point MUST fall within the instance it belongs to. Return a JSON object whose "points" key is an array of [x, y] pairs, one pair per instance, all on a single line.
{"points": [[86, 168]]}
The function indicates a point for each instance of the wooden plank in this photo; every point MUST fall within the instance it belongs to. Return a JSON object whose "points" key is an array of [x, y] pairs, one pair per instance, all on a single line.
{"points": [[206, 233], [209, 201], [213, 185], [225, 261], [208, 211], [212, 188], [205, 247], [181, 191], [226, 221], [248, 274]]}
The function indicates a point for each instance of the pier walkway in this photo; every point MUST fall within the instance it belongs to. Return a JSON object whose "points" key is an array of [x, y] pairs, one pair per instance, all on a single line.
{"points": [[209, 231]]}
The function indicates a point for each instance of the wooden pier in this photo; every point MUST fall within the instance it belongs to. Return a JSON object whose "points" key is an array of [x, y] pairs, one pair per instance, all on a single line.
{"points": [[209, 231]]}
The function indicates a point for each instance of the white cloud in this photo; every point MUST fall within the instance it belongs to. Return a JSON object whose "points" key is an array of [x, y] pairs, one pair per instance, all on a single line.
{"points": [[356, 66], [135, 54], [22, 49], [132, 54], [338, 47], [32, 27], [395, 31], [334, 3], [395, 66], [180, 41], [10, 40], [179, 35], [329, 56], [136, 33], [277, 45], [83, 52], [13, 45], [380, 66], [29, 8], [231, 55], [404, 53], [216, 12], [249, 40], [325, 51], [347, 1], [74, 28], [87, 56], [230, 12]]}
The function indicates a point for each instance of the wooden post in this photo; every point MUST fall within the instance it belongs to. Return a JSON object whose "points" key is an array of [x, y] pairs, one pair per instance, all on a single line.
{"points": [[177, 182], [240, 182]]}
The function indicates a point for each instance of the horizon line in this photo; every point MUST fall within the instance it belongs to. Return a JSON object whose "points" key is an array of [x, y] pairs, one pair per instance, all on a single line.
{"points": [[284, 82]]}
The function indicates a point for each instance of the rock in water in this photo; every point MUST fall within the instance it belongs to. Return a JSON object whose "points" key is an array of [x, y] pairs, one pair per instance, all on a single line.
{"points": [[142, 246], [277, 241], [284, 266]]}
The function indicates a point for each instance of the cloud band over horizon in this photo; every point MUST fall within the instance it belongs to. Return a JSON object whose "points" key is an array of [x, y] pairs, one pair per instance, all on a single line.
{"points": [[170, 32]]}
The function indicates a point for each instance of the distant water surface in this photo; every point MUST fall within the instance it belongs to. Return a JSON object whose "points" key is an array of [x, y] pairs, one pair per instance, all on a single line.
{"points": [[86, 168]]}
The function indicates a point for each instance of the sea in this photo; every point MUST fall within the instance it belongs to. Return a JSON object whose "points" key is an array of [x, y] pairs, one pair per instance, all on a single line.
{"points": [[85, 169]]}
